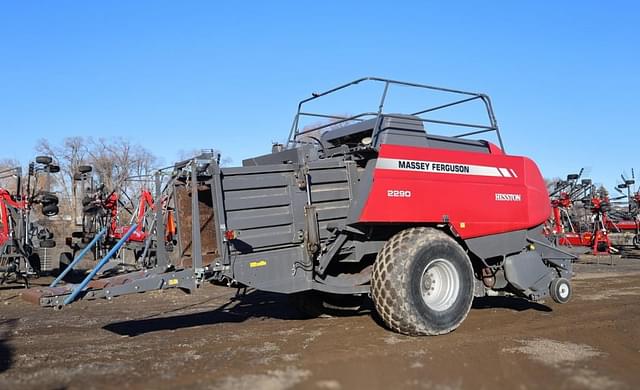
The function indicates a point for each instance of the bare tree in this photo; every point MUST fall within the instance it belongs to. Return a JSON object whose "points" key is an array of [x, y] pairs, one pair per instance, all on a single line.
{"points": [[113, 162], [6, 169], [552, 183], [7, 163], [117, 163], [9, 182]]}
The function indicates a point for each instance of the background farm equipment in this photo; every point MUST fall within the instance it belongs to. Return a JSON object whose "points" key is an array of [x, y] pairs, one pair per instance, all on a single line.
{"points": [[624, 217], [102, 214], [20, 235], [566, 223], [584, 216], [579, 217]]}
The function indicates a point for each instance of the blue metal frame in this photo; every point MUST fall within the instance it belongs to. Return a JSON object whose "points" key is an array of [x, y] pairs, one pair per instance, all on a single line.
{"points": [[79, 257], [78, 289]]}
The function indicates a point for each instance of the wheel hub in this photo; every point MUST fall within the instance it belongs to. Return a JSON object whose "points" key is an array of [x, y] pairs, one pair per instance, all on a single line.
{"points": [[563, 291], [440, 284]]}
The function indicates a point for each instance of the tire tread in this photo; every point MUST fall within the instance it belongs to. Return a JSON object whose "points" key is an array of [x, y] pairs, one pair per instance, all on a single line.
{"points": [[390, 270]]}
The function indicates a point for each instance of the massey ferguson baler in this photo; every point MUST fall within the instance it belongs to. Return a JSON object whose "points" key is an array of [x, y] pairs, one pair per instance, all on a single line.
{"points": [[372, 203]]}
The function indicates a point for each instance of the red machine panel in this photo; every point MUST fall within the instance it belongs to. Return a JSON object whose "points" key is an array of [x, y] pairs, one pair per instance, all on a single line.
{"points": [[478, 194]]}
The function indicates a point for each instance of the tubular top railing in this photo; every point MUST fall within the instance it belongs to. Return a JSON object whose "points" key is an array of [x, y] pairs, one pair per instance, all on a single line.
{"points": [[470, 96]]}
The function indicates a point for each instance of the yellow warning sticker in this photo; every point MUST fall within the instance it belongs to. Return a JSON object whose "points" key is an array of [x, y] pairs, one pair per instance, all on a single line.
{"points": [[173, 282], [260, 263]]}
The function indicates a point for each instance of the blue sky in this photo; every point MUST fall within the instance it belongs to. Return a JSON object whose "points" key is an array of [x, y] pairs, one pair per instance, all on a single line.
{"points": [[178, 76]]}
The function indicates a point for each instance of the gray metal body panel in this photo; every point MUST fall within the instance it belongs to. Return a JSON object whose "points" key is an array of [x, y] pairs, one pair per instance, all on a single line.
{"points": [[530, 262], [527, 272], [265, 206], [502, 244], [277, 203]]}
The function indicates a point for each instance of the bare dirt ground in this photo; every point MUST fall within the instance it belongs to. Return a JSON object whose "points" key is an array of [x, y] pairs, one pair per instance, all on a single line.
{"points": [[207, 340]]}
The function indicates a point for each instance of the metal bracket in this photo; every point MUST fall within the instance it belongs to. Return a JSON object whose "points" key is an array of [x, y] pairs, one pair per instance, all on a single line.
{"points": [[325, 259]]}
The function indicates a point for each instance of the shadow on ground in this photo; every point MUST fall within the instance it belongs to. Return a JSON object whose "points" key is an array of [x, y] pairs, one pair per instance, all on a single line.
{"points": [[6, 352], [513, 303], [255, 304], [259, 304]]}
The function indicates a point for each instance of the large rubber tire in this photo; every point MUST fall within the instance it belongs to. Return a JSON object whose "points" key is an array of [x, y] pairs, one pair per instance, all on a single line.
{"points": [[45, 160], [48, 198], [404, 289], [85, 168], [50, 210], [77, 234], [47, 243]]}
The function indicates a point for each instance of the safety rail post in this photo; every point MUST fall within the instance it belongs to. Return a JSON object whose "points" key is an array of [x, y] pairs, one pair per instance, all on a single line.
{"points": [[196, 243], [79, 257], [76, 291]]}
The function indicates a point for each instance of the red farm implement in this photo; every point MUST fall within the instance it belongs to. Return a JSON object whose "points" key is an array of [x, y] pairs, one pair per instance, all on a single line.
{"points": [[20, 235]]}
